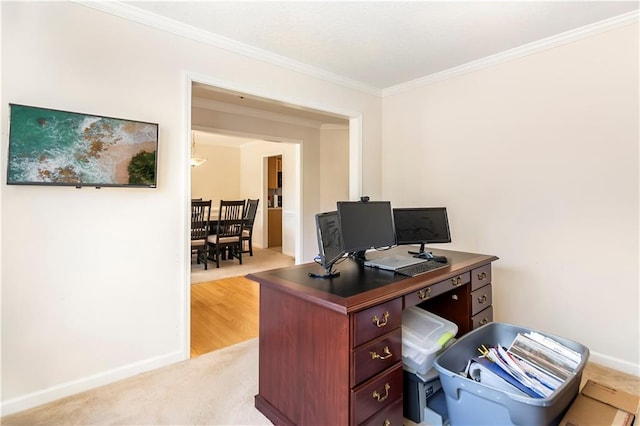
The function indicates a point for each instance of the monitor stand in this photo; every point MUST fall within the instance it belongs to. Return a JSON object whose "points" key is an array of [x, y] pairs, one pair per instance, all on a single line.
{"points": [[328, 273], [360, 256], [417, 252]]}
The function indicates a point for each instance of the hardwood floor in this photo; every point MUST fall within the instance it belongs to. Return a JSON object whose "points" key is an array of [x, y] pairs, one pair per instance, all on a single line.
{"points": [[223, 313], [224, 304], [612, 378]]}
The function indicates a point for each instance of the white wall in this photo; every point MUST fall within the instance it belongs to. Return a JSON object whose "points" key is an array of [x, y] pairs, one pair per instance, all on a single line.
{"points": [[253, 167], [219, 177], [334, 170], [95, 282], [537, 162]]}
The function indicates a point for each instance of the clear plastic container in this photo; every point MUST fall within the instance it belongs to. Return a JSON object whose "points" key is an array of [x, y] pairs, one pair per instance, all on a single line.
{"points": [[423, 335]]}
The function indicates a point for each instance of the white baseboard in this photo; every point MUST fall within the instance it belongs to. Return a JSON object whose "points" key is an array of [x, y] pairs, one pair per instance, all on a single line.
{"points": [[615, 363], [34, 399], [44, 396]]}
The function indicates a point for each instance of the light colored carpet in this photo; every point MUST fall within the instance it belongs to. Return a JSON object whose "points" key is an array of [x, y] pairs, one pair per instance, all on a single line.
{"points": [[262, 260], [214, 389]]}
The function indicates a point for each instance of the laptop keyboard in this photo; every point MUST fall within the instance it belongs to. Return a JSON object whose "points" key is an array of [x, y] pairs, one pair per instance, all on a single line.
{"points": [[421, 268]]}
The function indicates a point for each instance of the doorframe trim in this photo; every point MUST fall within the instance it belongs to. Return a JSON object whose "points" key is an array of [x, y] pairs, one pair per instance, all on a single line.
{"points": [[355, 171]]}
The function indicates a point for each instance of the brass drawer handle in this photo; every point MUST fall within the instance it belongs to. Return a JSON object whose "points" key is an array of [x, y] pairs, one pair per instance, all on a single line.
{"points": [[385, 320], [386, 423], [456, 281], [482, 276], [424, 294], [484, 321], [379, 397], [386, 351], [482, 299]]}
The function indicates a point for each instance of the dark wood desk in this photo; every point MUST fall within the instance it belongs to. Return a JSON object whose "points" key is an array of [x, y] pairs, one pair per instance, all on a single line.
{"points": [[330, 350]]}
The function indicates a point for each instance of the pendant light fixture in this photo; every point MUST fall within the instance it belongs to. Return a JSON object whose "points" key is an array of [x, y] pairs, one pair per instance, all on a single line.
{"points": [[196, 160]]}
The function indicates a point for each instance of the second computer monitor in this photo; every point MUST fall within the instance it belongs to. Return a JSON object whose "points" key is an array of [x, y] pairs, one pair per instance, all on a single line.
{"points": [[421, 225], [329, 239], [365, 225]]}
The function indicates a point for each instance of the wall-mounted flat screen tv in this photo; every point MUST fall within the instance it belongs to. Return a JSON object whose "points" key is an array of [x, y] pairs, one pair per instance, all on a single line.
{"points": [[52, 147]]}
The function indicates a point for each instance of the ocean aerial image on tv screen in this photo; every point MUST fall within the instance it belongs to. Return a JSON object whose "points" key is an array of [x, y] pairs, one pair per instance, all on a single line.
{"points": [[58, 147]]}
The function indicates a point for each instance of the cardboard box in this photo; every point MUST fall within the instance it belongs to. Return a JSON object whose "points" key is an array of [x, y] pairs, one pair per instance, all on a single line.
{"points": [[601, 405]]}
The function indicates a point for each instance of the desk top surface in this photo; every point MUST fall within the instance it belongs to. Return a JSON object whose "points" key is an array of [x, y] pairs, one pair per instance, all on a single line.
{"points": [[358, 286]]}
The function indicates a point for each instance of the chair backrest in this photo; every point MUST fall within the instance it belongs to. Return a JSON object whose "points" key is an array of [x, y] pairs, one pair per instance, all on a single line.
{"points": [[200, 215], [230, 219], [250, 213]]}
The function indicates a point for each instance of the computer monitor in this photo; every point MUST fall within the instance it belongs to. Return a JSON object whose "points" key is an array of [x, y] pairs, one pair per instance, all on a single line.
{"points": [[330, 244], [365, 225], [421, 225]]}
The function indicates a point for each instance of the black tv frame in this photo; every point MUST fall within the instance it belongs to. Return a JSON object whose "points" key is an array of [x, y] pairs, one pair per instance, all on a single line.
{"points": [[53, 147]]}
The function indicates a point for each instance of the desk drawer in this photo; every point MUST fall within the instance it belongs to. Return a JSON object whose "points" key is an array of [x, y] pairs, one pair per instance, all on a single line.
{"points": [[376, 321], [390, 416], [436, 289], [377, 394], [376, 356], [480, 277], [482, 318], [480, 299], [459, 280], [426, 293]]}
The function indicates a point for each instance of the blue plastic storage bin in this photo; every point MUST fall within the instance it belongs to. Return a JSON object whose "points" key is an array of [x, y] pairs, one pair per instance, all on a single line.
{"points": [[472, 403]]}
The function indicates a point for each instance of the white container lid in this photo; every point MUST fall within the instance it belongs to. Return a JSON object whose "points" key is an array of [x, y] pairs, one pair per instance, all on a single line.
{"points": [[426, 330], [418, 359]]}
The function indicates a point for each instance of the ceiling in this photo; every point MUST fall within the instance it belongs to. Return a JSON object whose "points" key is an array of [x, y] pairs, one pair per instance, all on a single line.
{"points": [[380, 44], [373, 46]]}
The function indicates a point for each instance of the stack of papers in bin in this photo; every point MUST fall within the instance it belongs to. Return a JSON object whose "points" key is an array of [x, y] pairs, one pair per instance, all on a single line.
{"points": [[534, 365]]}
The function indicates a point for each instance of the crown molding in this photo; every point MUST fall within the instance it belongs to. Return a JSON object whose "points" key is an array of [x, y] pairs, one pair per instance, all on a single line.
{"points": [[153, 20], [518, 52], [135, 14]]}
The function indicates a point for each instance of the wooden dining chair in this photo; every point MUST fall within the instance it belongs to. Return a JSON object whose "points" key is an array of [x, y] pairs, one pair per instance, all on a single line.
{"points": [[227, 239], [200, 215], [249, 219]]}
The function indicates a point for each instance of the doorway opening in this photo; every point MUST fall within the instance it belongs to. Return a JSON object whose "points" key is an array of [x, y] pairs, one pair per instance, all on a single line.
{"points": [[274, 193], [210, 108]]}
